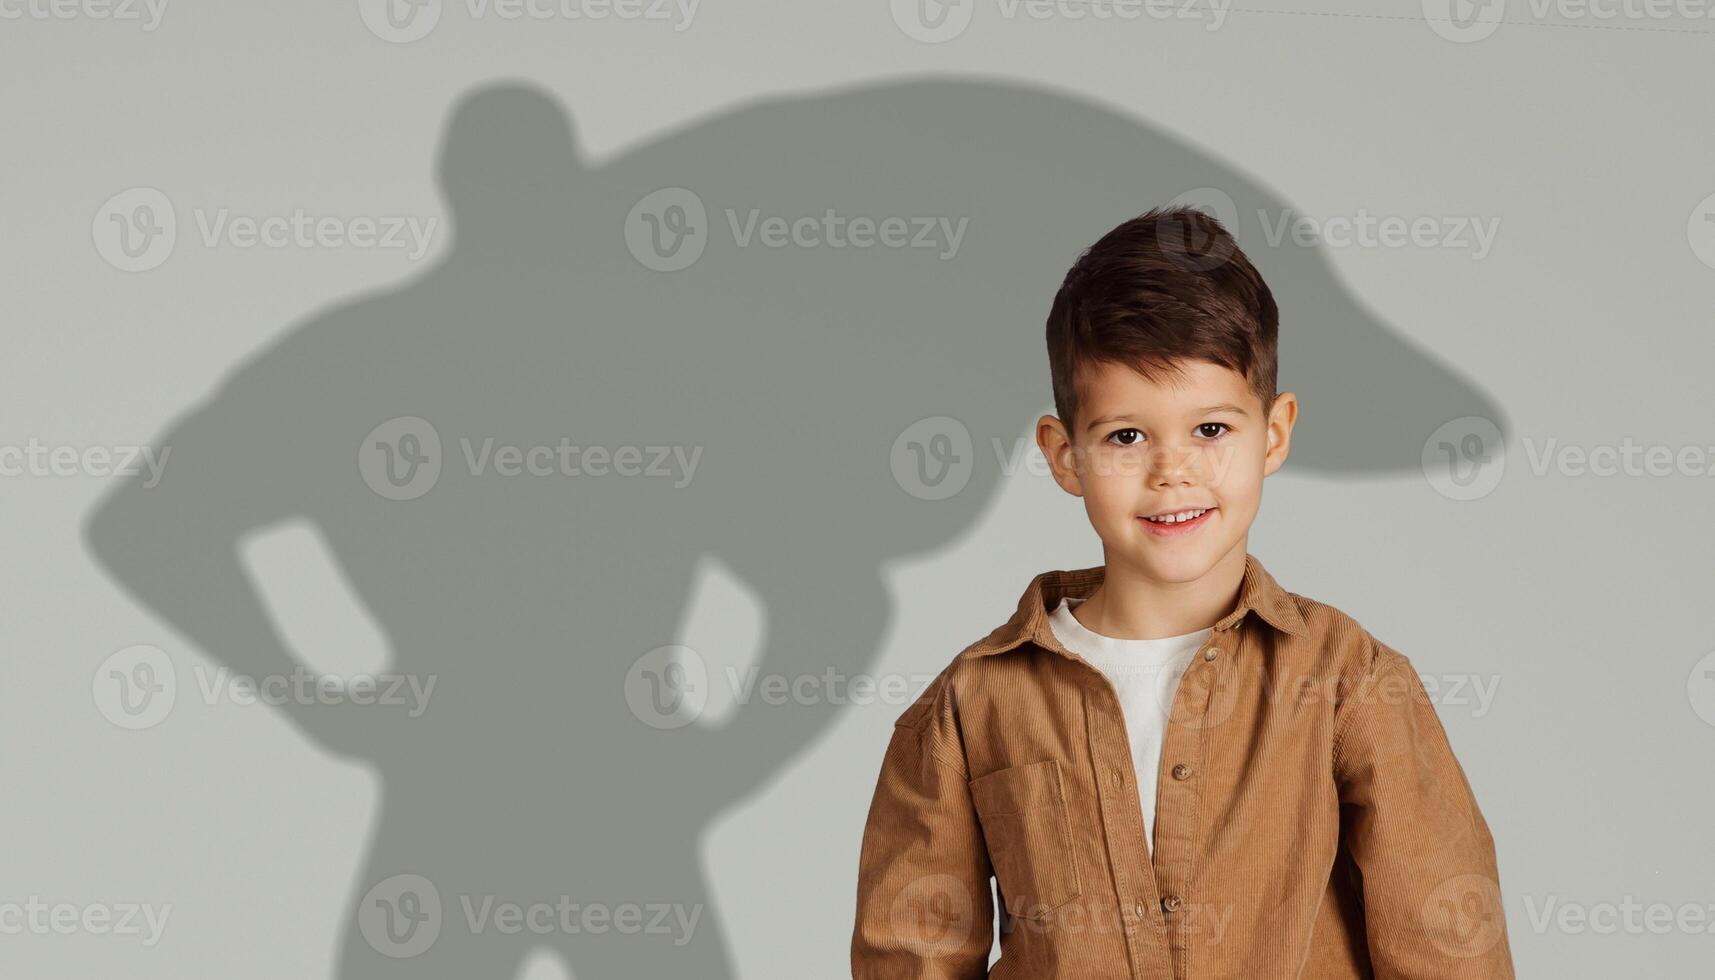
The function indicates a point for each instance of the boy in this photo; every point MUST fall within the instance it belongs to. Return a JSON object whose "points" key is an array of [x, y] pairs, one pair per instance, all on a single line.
{"points": [[1172, 767]]}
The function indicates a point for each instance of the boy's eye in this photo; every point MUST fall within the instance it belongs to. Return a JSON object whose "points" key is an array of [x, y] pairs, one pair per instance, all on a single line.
{"points": [[1222, 426], [1136, 437]]}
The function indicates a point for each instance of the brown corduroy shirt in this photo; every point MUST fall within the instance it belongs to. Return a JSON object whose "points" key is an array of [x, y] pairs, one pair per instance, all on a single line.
{"points": [[1311, 820]]}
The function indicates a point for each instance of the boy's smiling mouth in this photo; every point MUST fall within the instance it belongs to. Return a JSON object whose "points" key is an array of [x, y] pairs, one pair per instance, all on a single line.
{"points": [[1176, 522]]}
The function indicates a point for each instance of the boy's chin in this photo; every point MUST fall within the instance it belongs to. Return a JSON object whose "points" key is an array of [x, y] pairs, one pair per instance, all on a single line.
{"points": [[1178, 569], [1177, 561]]}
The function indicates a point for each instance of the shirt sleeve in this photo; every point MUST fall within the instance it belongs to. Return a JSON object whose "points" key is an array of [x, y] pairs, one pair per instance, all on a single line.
{"points": [[924, 905], [1430, 884]]}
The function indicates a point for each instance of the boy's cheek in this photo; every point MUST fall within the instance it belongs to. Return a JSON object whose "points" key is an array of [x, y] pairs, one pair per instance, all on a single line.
{"points": [[1110, 465], [1106, 510], [1233, 464]]}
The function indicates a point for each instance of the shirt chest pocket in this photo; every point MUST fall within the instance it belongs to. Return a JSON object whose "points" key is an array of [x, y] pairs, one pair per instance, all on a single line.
{"points": [[1028, 830]]}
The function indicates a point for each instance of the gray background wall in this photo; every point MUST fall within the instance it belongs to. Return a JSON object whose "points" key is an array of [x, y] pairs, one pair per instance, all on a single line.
{"points": [[1558, 608]]}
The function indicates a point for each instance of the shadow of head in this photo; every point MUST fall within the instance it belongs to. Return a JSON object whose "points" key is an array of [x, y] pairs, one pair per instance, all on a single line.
{"points": [[992, 190]]}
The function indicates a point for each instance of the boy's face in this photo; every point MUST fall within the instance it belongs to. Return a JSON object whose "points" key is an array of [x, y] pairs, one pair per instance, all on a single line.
{"points": [[1189, 444]]}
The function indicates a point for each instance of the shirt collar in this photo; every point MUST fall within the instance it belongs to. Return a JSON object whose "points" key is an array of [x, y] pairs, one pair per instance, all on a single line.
{"points": [[1258, 593]]}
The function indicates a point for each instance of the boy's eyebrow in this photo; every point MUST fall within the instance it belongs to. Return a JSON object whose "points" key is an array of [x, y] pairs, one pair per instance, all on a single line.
{"points": [[1222, 407], [1104, 419], [1209, 410]]}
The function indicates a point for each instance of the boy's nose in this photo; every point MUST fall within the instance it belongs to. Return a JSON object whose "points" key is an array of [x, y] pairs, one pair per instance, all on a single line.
{"points": [[1174, 465]]}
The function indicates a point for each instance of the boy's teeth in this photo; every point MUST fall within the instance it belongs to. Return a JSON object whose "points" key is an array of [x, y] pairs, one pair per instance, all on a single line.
{"points": [[1184, 515]]}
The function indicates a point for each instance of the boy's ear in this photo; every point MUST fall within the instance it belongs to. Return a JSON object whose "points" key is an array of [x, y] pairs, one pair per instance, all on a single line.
{"points": [[1281, 419], [1056, 444]]}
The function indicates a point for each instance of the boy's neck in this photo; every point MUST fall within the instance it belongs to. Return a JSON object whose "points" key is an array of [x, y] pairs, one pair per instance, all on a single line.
{"points": [[1130, 605]]}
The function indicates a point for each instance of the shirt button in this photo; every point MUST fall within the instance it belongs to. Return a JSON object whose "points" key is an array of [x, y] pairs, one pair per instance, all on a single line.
{"points": [[1210, 653], [1181, 771], [1137, 910], [1171, 903]]}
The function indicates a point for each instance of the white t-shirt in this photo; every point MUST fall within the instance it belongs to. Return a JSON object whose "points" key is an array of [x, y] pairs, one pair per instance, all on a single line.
{"points": [[1145, 673]]}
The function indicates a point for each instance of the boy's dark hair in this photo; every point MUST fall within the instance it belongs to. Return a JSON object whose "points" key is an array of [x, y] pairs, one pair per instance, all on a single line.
{"points": [[1168, 285]]}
